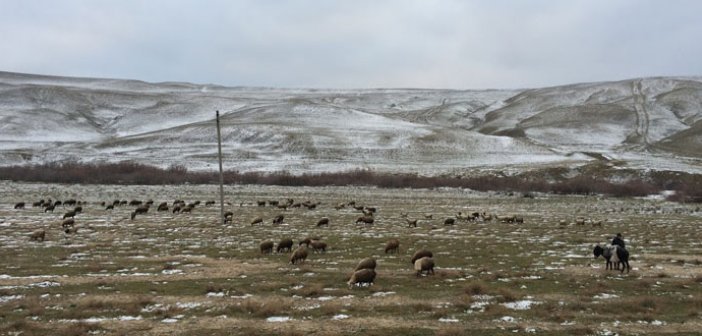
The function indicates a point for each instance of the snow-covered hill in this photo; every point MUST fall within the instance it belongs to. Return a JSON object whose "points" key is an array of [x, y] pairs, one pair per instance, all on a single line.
{"points": [[650, 123]]}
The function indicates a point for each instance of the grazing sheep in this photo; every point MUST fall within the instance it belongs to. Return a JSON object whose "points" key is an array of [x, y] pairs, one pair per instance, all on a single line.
{"points": [[228, 217], [70, 202], [323, 221], [19, 205], [134, 203], [140, 210], [420, 254], [78, 209], [424, 264], [428, 216], [318, 246], [284, 244], [362, 277], [208, 203], [261, 203], [393, 245], [366, 263], [257, 220], [68, 222], [299, 255], [278, 219], [162, 207], [519, 219], [38, 235], [176, 209], [597, 223], [507, 219], [305, 241], [614, 255], [49, 208], [266, 247], [69, 214], [189, 208], [365, 220], [38, 204], [411, 223], [449, 221]]}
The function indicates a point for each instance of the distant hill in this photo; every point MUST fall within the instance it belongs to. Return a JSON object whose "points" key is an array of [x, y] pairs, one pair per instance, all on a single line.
{"points": [[648, 123]]}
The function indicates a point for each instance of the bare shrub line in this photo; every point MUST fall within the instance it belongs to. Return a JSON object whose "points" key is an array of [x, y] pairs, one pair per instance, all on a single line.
{"points": [[688, 187]]}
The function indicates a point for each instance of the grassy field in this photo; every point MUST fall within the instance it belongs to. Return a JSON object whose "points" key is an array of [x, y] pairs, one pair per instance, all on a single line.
{"points": [[165, 273]]}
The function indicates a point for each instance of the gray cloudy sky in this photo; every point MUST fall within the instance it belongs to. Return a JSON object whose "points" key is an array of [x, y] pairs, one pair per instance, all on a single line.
{"points": [[354, 43]]}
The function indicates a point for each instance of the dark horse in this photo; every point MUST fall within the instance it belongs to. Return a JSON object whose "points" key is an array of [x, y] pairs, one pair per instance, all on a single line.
{"points": [[614, 255]]}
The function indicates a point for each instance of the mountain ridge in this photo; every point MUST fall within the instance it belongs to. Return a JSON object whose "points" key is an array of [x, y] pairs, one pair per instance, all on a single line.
{"points": [[644, 123]]}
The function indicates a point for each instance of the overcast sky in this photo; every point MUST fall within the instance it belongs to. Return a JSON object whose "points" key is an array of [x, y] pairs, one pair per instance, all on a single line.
{"points": [[354, 43]]}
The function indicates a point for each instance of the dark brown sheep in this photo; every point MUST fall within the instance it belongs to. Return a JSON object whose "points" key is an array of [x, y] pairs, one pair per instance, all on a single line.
{"points": [[365, 220], [368, 263], [420, 254], [424, 264], [110, 207], [318, 246], [78, 209], [162, 207], [19, 205], [449, 221], [278, 219], [69, 214], [49, 208], [134, 202], [266, 247], [411, 223], [361, 277], [284, 244], [323, 221], [393, 245], [299, 255], [38, 235], [305, 241], [208, 203], [140, 210], [68, 222]]}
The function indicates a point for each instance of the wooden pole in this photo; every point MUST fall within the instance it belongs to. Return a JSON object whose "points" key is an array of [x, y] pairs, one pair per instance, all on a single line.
{"points": [[221, 173]]}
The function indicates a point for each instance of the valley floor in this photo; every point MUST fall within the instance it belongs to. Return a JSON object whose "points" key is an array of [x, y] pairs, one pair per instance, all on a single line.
{"points": [[164, 273]]}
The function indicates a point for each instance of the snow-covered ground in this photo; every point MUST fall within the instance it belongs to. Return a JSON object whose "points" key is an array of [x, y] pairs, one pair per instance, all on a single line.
{"points": [[652, 123]]}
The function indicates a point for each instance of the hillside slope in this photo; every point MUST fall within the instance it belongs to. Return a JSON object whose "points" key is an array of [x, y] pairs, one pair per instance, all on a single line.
{"points": [[651, 123]]}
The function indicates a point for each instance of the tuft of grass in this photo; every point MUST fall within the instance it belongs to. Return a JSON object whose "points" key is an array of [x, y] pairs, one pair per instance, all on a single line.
{"points": [[476, 288]]}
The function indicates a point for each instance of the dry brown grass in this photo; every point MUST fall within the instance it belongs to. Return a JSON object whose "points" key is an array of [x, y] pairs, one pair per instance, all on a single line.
{"points": [[476, 288]]}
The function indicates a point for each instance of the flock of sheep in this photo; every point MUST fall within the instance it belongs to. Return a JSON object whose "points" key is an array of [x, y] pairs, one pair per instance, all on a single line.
{"points": [[363, 274]]}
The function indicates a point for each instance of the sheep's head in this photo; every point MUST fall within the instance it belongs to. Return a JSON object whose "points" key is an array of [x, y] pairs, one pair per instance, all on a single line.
{"points": [[598, 251]]}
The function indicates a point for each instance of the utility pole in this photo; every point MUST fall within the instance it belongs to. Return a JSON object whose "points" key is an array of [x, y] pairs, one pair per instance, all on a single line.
{"points": [[221, 173]]}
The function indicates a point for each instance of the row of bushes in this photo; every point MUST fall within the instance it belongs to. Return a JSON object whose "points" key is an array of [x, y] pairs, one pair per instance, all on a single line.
{"points": [[688, 186]]}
